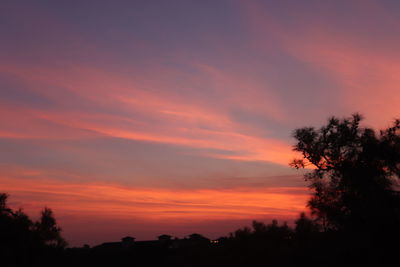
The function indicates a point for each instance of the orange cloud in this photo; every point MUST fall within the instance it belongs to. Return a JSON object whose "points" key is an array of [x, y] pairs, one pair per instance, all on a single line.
{"points": [[102, 199], [95, 212]]}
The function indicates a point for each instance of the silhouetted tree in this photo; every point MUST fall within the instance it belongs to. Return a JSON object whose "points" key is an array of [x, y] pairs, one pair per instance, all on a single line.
{"points": [[305, 226], [48, 230], [4, 209], [15, 226], [355, 171], [27, 243], [354, 176]]}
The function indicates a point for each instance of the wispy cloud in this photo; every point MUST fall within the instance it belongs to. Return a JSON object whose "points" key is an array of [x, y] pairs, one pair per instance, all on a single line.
{"points": [[178, 207], [144, 115]]}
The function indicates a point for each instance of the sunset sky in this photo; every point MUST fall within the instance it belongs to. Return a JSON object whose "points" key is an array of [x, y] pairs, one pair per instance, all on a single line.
{"points": [[171, 117]]}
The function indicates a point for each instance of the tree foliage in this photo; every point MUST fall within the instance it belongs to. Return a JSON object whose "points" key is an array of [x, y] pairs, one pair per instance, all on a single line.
{"points": [[354, 174], [19, 235], [48, 230]]}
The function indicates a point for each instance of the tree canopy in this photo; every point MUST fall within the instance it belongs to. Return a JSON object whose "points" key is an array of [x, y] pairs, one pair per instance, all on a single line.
{"points": [[355, 173], [23, 240]]}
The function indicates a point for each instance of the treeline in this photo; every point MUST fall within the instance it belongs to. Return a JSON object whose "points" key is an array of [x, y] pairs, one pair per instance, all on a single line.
{"points": [[24, 241], [27, 243]]}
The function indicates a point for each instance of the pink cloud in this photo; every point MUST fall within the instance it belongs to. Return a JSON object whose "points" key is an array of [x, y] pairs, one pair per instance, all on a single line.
{"points": [[365, 69], [162, 116]]}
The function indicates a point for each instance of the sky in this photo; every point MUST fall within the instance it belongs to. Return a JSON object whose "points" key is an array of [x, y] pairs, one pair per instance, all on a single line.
{"points": [[144, 118]]}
